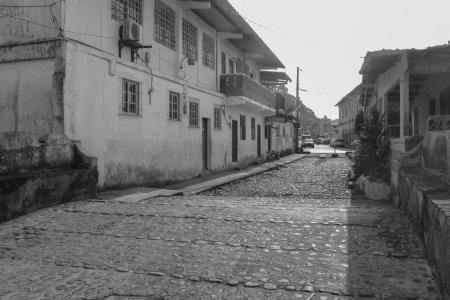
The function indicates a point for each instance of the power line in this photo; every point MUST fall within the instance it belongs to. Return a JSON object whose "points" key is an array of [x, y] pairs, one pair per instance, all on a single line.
{"points": [[264, 26], [31, 6]]}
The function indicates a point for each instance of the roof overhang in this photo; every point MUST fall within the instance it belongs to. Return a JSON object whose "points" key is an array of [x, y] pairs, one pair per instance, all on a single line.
{"points": [[224, 18]]}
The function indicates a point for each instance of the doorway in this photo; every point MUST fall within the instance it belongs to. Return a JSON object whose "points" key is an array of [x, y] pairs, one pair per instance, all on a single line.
{"points": [[205, 143], [234, 141], [258, 140]]}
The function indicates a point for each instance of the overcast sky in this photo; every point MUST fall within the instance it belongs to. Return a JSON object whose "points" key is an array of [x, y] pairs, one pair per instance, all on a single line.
{"points": [[328, 38]]}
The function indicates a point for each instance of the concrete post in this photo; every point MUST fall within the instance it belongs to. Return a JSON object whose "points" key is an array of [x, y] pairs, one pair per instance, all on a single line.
{"points": [[404, 105]]}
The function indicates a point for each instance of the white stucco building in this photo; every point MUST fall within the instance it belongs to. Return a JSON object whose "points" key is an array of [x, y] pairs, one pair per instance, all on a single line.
{"points": [[157, 90], [349, 106], [411, 88]]}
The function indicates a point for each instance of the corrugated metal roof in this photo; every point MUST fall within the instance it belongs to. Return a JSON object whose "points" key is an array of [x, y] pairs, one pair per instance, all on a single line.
{"points": [[355, 93]]}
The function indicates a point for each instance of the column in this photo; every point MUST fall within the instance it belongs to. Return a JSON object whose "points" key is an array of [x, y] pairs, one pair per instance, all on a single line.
{"points": [[404, 105]]}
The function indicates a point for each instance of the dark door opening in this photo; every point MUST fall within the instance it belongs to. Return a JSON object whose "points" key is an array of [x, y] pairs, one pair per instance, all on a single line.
{"points": [[204, 143], [234, 141], [258, 140]]}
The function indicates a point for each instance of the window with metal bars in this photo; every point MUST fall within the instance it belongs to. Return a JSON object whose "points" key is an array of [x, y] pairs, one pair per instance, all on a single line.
{"points": [[130, 98], [217, 118], [164, 32], [193, 114], [278, 131], [253, 128], [122, 10], [243, 127], [174, 106], [189, 38], [208, 51]]}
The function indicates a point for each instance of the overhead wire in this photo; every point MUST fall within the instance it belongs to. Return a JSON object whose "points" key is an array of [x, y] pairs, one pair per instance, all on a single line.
{"points": [[31, 6], [58, 28]]}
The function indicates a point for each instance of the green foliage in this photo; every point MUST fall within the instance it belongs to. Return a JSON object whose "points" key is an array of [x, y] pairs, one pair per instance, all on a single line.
{"points": [[359, 122], [371, 149]]}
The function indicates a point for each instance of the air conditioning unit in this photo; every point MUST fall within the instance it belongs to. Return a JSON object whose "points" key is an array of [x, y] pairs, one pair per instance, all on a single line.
{"points": [[132, 32]]}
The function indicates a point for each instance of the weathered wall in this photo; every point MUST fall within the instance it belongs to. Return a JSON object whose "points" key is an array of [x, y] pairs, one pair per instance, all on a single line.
{"points": [[26, 96], [424, 197], [436, 153], [143, 149], [94, 19], [14, 27]]}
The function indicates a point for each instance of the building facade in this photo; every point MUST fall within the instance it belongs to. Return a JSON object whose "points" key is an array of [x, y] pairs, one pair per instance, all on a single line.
{"points": [[157, 90], [349, 106]]}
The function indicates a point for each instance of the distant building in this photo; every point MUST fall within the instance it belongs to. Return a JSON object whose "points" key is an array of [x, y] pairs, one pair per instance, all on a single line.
{"points": [[348, 109], [335, 129], [324, 127]]}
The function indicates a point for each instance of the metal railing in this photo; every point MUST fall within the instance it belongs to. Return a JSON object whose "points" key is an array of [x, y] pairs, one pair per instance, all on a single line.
{"points": [[436, 123], [243, 85]]}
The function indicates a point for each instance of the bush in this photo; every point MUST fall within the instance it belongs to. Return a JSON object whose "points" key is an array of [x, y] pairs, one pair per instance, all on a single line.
{"points": [[371, 149]]}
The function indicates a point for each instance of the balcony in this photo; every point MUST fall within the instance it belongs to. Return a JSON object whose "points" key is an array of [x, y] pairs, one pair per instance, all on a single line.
{"points": [[242, 90]]}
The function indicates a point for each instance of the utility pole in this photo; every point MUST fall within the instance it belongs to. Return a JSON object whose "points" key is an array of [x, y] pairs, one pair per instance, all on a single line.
{"points": [[297, 112]]}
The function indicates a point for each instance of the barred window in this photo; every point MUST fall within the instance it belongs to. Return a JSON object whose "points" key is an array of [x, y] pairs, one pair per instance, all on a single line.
{"points": [[217, 118], [193, 114], [189, 38], [122, 10], [242, 127], [278, 131], [174, 106], [164, 25], [208, 51], [253, 129], [130, 97]]}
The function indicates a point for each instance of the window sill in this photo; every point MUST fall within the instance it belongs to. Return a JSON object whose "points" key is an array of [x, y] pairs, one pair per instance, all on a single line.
{"points": [[130, 115]]}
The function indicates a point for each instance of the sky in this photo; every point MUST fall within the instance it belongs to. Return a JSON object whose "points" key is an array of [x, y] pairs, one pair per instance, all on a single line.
{"points": [[328, 39]]}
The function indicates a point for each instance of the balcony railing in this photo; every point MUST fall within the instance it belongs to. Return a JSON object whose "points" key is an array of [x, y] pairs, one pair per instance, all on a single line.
{"points": [[244, 86], [436, 123]]}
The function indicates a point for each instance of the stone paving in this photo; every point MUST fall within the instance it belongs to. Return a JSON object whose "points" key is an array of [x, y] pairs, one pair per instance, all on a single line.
{"points": [[292, 233]]}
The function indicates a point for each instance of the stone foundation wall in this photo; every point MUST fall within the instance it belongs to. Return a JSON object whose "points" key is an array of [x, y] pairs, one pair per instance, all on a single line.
{"points": [[425, 197]]}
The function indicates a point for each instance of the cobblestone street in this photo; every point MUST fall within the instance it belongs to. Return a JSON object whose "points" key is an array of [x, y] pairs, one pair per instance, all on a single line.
{"points": [[295, 232]]}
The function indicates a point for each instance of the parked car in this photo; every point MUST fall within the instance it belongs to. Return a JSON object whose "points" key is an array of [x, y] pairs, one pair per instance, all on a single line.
{"points": [[326, 141], [337, 143], [320, 141], [306, 140]]}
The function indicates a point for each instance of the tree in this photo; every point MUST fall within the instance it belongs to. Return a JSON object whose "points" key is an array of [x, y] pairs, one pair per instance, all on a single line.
{"points": [[371, 155], [359, 122]]}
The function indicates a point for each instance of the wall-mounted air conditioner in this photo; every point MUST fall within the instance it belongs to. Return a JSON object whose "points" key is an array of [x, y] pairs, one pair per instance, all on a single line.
{"points": [[132, 31]]}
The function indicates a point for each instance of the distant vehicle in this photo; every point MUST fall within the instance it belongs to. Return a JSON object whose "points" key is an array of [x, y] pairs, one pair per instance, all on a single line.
{"points": [[326, 141], [306, 140], [337, 143], [320, 141]]}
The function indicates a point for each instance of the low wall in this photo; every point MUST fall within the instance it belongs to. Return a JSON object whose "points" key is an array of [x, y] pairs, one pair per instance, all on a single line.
{"points": [[36, 174], [425, 197]]}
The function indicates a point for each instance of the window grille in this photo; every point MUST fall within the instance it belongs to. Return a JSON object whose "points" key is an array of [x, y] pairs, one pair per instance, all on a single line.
{"points": [[174, 106], [253, 129], [208, 51], [217, 118], [242, 127], [189, 38], [164, 25], [130, 97], [193, 114], [278, 131], [122, 10]]}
